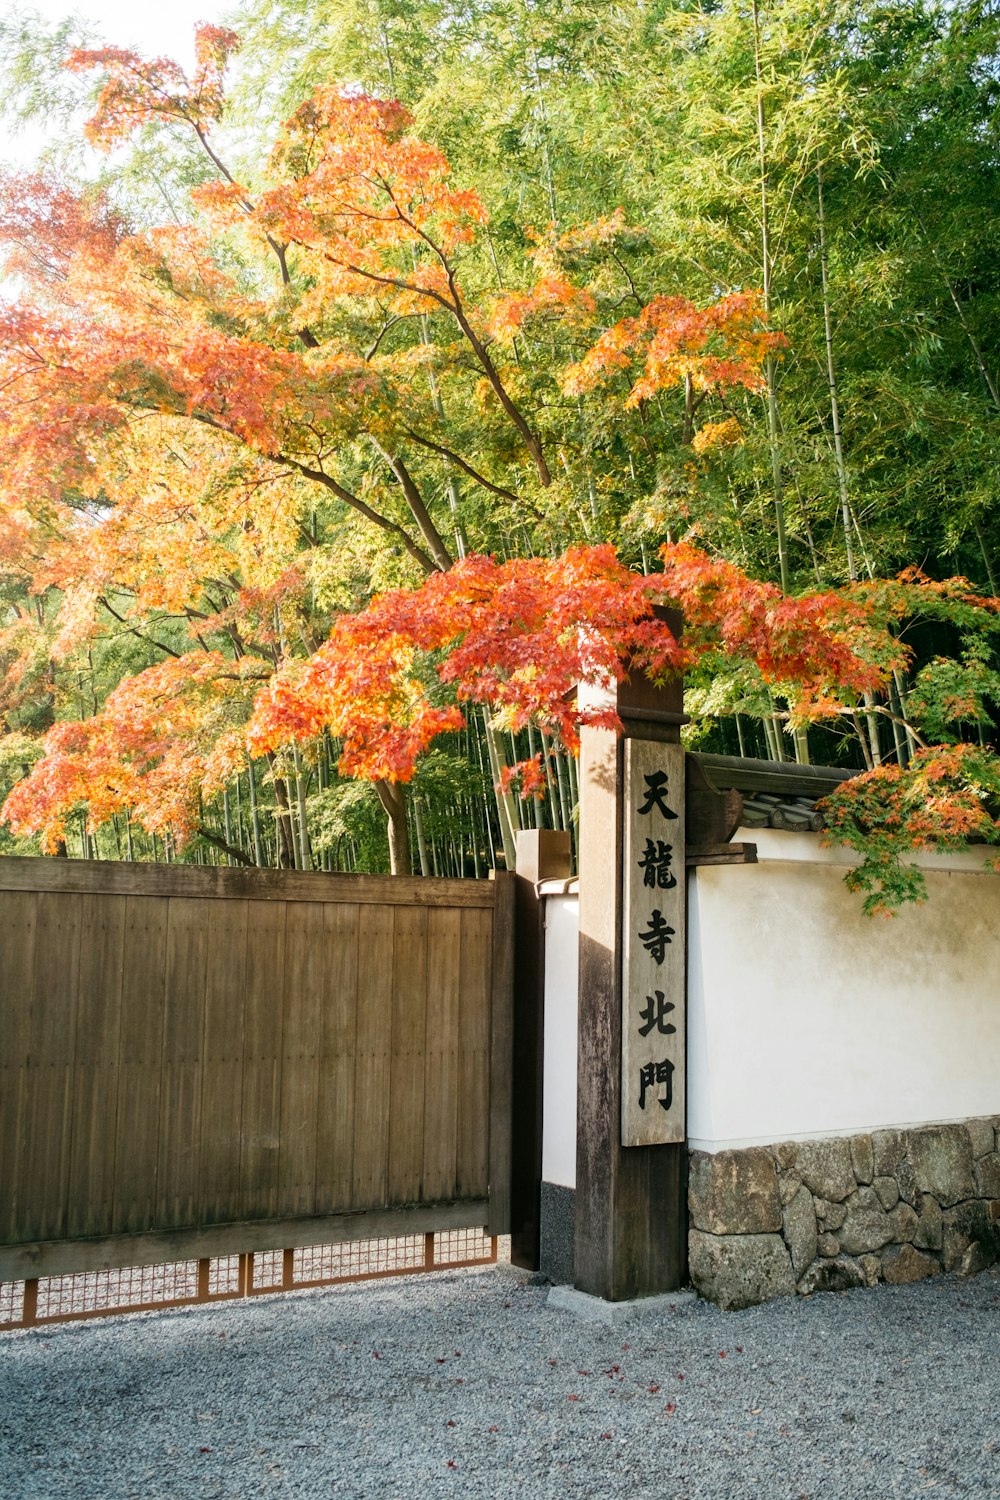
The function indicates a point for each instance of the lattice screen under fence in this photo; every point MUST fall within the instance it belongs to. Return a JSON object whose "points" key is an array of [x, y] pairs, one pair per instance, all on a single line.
{"points": [[90, 1294]]}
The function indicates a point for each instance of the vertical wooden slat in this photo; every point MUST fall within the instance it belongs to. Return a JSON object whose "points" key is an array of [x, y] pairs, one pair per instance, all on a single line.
{"points": [[406, 1085], [140, 1059], [45, 1162], [473, 1074], [18, 913], [335, 1109], [95, 1091], [222, 1067], [501, 1060], [303, 990], [261, 1112], [180, 1084], [371, 1098], [444, 945]]}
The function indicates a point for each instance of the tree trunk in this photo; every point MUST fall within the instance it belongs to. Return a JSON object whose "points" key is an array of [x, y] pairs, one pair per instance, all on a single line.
{"points": [[283, 823], [393, 799]]}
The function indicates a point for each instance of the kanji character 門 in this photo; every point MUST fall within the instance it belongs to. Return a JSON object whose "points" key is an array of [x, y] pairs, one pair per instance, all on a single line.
{"points": [[651, 1075]]}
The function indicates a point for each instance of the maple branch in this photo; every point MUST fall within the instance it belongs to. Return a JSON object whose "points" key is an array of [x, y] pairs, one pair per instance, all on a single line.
{"points": [[401, 317], [305, 334], [454, 306], [218, 843], [168, 650], [318, 476], [415, 501], [456, 458], [530, 439], [628, 277]]}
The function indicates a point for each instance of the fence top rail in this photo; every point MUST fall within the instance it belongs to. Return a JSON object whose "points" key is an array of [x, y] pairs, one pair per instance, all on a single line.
{"points": [[109, 877]]}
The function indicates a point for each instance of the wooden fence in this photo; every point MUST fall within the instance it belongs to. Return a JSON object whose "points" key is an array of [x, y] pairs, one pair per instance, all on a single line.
{"points": [[199, 1061]]}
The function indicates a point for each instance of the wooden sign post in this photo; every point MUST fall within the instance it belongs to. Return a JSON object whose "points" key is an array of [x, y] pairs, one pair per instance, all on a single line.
{"points": [[631, 1176]]}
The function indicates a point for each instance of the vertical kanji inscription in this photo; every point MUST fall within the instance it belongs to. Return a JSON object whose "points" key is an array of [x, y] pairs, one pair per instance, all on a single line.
{"points": [[653, 957]]}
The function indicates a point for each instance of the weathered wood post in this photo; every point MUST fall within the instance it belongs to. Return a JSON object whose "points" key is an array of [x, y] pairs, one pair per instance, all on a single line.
{"points": [[631, 1168]]}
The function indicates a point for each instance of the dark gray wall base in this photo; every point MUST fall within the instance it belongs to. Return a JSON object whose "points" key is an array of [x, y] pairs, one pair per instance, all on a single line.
{"points": [[824, 1215], [558, 1231]]}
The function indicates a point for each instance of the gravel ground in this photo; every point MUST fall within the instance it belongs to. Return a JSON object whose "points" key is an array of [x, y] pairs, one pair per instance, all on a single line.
{"points": [[466, 1384]]}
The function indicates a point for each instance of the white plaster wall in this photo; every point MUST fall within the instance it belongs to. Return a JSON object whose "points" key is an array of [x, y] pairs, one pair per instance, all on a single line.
{"points": [[562, 923], [806, 1018]]}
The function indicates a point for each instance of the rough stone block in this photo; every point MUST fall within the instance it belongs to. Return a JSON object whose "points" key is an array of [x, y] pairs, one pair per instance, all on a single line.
{"points": [[827, 1244], [982, 1136], [832, 1276], [871, 1266], [784, 1154], [862, 1158], [888, 1150], [834, 1215], [740, 1270], [734, 1192], [963, 1226], [867, 1225], [788, 1185], [941, 1156], [903, 1264], [904, 1222], [799, 1229], [906, 1181], [987, 1175], [976, 1258], [927, 1235], [887, 1191], [825, 1168]]}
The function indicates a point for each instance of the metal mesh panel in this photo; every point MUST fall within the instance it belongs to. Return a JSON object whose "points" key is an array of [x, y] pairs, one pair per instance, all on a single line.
{"points": [[463, 1247], [11, 1303], [267, 1272], [91, 1293], [359, 1258], [224, 1276], [134, 1286]]}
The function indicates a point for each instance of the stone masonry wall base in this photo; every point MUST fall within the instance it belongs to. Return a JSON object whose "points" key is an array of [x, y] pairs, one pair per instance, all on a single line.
{"points": [[818, 1216]]}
